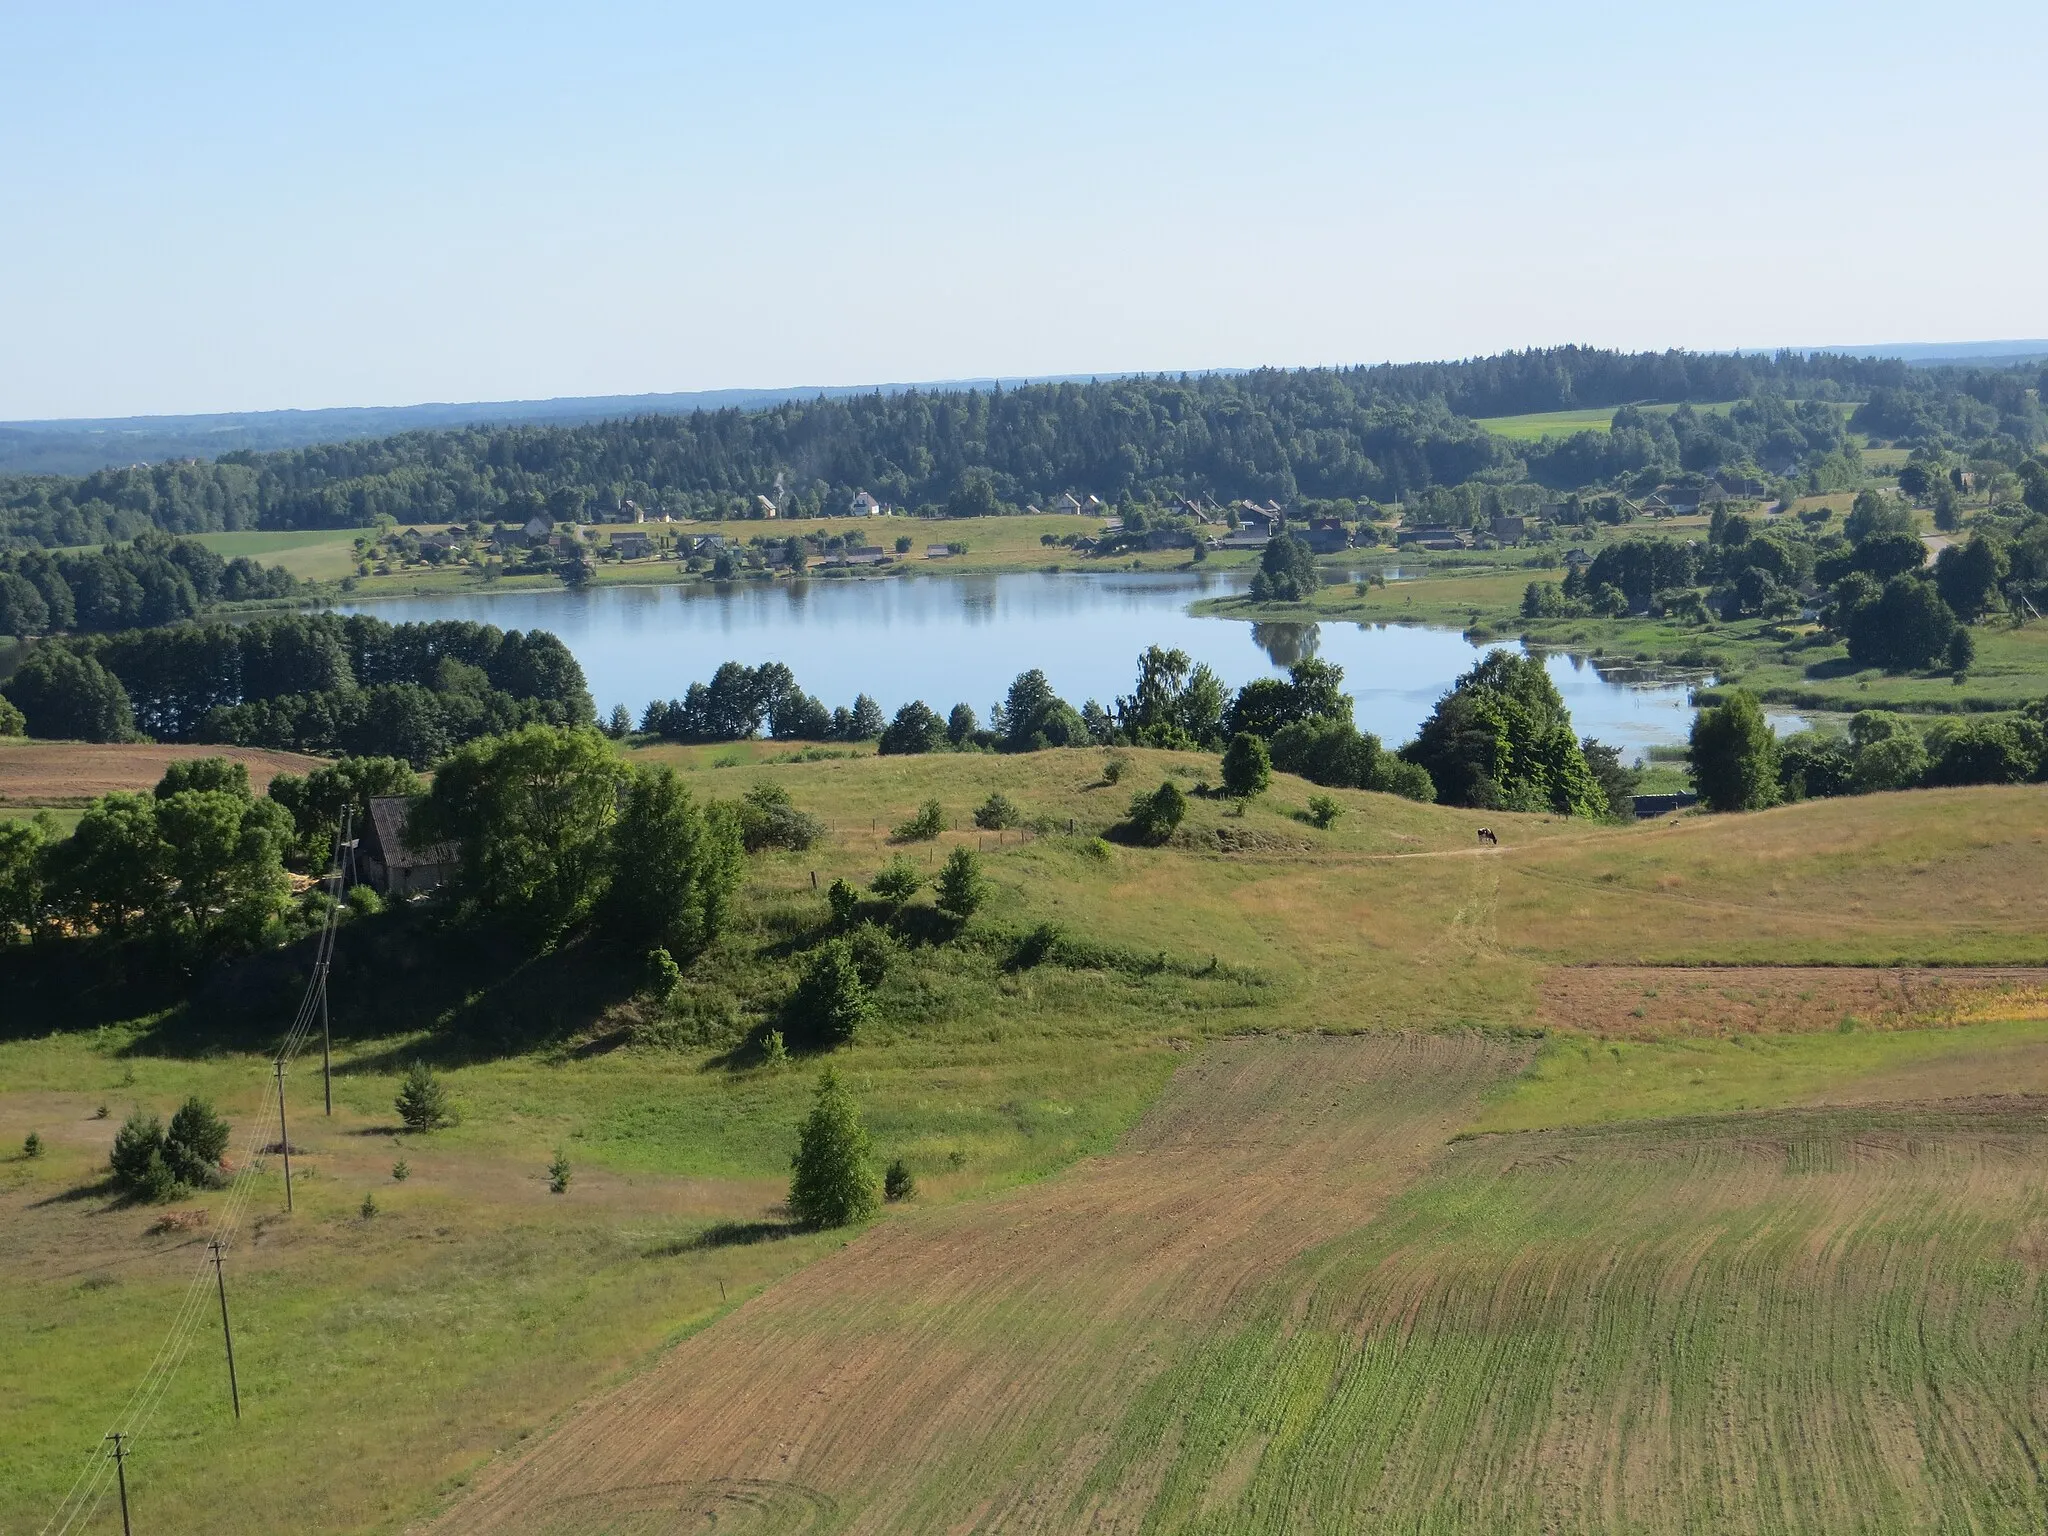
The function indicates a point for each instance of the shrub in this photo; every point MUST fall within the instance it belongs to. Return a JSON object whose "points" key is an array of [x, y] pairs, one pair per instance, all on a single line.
{"points": [[1323, 811], [364, 901], [1099, 850], [769, 819], [369, 1206], [422, 1101], [873, 951], [844, 901], [401, 1171], [897, 881], [961, 889], [1036, 947], [195, 1143], [832, 1181], [925, 826], [32, 1145], [774, 1052], [12, 721], [1154, 817], [831, 1001], [662, 972], [997, 813], [1888, 762], [899, 1183], [1114, 767], [558, 1173], [1247, 768], [159, 1185], [140, 1139], [1411, 781]]}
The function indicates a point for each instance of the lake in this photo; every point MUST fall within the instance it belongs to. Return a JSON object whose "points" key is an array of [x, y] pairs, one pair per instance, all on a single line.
{"points": [[948, 638]]}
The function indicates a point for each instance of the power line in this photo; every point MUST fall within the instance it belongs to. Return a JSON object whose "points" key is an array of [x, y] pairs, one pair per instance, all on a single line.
{"points": [[89, 1488]]}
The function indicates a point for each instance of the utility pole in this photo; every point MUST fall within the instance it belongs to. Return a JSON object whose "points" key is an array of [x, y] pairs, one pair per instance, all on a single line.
{"points": [[326, 1050], [121, 1471], [226, 1333], [284, 1139]]}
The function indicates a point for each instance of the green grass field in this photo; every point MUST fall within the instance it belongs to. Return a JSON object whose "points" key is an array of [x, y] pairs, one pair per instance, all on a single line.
{"points": [[1184, 1256], [1538, 425]]}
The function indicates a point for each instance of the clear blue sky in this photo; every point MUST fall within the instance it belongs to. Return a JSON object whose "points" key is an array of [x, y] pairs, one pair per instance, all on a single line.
{"points": [[222, 207]]}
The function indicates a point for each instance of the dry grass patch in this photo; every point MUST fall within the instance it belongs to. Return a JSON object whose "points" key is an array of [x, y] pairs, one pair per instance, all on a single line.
{"points": [[71, 772], [1660, 1001]]}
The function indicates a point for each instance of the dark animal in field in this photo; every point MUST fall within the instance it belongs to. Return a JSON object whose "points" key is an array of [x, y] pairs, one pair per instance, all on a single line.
{"points": [[1486, 836]]}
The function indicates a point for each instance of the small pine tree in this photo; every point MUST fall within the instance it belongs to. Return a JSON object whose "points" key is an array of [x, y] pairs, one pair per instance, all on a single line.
{"points": [[195, 1143], [899, 1183], [159, 1182], [961, 890], [368, 1207], [997, 812], [422, 1101], [401, 1171], [32, 1145], [140, 1139], [832, 1182], [774, 1052], [1247, 768], [925, 826], [831, 1002], [558, 1173]]}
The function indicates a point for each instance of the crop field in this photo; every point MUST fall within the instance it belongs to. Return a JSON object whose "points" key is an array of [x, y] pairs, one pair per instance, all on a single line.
{"points": [[1313, 1124], [58, 773], [1537, 425], [981, 1345], [312, 554]]}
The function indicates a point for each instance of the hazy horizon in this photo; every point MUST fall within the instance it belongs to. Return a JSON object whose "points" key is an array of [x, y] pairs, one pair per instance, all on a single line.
{"points": [[239, 210]]}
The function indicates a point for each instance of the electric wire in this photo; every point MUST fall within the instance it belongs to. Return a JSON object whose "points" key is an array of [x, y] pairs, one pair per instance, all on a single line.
{"points": [[89, 1488]]}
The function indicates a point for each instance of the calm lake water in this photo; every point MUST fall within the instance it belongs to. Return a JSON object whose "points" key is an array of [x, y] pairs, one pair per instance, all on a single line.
{"points": [[947, 638]]}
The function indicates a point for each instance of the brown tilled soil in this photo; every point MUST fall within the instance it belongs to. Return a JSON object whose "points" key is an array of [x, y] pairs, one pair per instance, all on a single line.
{"points": [[1662, 1001], [64, 773], [962, 1366]]}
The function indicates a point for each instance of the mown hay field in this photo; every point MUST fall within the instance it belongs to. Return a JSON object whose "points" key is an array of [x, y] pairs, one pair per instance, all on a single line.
{"points": [[39, 773]]}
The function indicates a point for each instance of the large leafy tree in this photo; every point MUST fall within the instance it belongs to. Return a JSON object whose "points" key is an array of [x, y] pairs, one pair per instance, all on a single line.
{"points": [[1501, 739], [532, 813], [676, 864], [1734, 755], [1287, 571], [1177, 703]]}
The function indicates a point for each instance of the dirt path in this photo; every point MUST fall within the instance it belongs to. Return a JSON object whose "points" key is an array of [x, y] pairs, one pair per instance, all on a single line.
{"points": [[962, 1366]]}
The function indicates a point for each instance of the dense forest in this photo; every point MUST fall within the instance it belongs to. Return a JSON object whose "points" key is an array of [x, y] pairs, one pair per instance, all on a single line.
{"points": [[1383, 433], [154, 580], [303, 682]]}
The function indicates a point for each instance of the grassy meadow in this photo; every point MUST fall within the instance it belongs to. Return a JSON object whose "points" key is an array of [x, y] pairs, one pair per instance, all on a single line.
{"points": [[1304, 1315]]}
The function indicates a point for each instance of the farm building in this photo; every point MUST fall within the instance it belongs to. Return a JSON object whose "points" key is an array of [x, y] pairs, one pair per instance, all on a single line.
{"points": [[632, 546], [385, 860]]}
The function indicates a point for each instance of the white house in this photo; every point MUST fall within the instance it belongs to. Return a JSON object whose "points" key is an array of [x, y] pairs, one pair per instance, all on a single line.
{"points": [[1067, 503], [865, 505]]}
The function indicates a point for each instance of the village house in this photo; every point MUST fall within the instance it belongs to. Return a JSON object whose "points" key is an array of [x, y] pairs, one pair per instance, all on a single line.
{"points": [[1067, 504], [1434, 536], [390, 864], [708, 544], [1326, 535], [537, 528], [632, 546], [865, 505], [764, 507], [937, 551], [868, 554], [1509, 529]]}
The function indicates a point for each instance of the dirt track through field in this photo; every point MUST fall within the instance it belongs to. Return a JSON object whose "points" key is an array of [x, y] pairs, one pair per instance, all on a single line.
{"points": [[962, 1367]]}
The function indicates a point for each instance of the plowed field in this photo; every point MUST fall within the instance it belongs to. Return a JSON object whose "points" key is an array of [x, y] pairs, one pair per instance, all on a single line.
{"points": [[71, 772], [965, 1366], [1665, 1000]]}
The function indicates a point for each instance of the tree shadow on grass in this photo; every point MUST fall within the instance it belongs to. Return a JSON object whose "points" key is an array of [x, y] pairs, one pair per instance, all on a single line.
{"points": [[724, 1234], [474, 994]]}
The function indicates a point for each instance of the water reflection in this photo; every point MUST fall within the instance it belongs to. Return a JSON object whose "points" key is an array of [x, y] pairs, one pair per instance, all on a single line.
{"points": [[946, 639]]}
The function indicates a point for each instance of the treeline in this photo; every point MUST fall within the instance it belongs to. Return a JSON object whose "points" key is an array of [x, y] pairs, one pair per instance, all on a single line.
{"points": [[154, 580], [1501, 738], [1377, 433], [1739, 765], [315, 683], [1869, 583], [550, 828]]}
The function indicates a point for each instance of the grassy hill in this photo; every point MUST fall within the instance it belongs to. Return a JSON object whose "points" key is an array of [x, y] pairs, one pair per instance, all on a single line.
{"points": [[1314, 1180]]}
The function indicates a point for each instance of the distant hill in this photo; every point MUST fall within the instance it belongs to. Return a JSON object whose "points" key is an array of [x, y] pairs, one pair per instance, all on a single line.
{"points": [[1948, 354], [81, 445]]}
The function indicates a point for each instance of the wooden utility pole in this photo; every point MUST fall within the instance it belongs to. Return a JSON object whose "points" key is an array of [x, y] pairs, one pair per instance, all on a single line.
{"points": [[326, 1050], [121, 1472], [226, 1333], [284, 1138]]}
